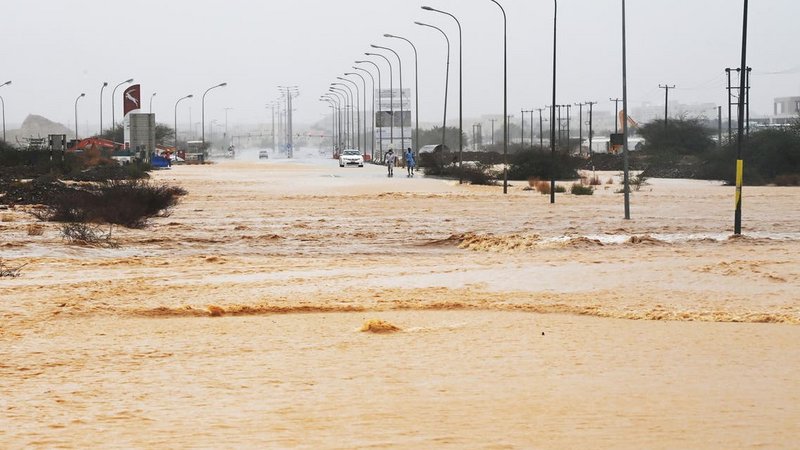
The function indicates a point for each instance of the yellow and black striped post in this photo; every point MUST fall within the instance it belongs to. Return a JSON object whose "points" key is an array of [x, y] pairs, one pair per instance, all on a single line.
{"points": [[739, 181]]}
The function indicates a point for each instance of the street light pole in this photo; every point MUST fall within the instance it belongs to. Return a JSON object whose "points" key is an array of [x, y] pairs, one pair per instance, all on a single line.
{"points": [[176, 119], [76, 114], [355, 126], [402, 112], [541, 132], [113, 98], [203, 112], [348, 118], [460, 94], [626, 184], [505, 99], [553, 110], [3, 102], [105, 83], [226, 125], [391, 98], [364, 110], [372, 116], [358, 110], [416, 87], [151, 102], [446, 79]]}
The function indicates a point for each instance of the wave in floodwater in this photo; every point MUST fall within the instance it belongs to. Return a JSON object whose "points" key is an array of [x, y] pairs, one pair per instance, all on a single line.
{"points": [[510, 242]]}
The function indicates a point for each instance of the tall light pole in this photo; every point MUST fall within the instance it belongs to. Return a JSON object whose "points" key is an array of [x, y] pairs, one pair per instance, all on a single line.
{"points": [[338, 118], [460, 92], [332, 105], [76, 114], [446, 79], [391, 97], [625, 181], [3, 102], [737, 222], [176, 119], [105, 83], [364, 102], [291, 92], [151, 102], [505, 99], [203, 112], [341, 96], [226, 124], [113, 101], [553, 109], [416, 86], [357, 99], [351, 99], [372, 116], [402, 115]]}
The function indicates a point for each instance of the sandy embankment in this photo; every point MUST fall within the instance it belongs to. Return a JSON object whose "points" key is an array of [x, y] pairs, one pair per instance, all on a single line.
{"points": [[459, 269]]}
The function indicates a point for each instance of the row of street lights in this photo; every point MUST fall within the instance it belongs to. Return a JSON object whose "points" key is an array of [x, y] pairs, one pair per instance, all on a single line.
{"points": [[113, 107], [331, 97]]}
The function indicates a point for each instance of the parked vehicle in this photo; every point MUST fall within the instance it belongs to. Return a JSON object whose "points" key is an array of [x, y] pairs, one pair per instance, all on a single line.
{"points": [[263, 154]]}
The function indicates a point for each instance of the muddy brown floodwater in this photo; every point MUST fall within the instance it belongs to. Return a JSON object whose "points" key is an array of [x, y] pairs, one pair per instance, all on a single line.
{"points": [[297, 304]]}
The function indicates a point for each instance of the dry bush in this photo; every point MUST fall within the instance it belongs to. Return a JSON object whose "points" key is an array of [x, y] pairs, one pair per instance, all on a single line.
{"points": [[35, 229], [8, 271], [788, 180], [126, 203], [6, 217], [543, 187], [610, 181], [595, 181], [83, 234]]}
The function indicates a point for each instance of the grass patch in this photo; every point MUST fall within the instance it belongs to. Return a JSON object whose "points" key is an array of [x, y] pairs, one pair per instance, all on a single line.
{"points": [[579, 189]]}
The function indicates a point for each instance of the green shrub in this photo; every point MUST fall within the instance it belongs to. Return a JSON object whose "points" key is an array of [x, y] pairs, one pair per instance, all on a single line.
{"points": [[579, 189]]}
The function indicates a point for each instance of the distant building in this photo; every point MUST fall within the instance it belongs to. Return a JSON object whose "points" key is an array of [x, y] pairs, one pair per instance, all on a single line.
{"points": [[787, 106]]}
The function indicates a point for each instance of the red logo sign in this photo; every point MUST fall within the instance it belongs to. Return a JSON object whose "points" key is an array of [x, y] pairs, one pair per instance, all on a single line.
{"points": [[131, 99]]}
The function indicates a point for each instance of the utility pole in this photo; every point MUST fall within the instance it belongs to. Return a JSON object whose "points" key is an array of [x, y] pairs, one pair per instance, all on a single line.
{"points": [[616, 113], [541, 134], [580, 127], [522, 123], [743, 81], [531, 111], [569, 144], [591, 129], [493, 121], [719, 127], [666, 88]]}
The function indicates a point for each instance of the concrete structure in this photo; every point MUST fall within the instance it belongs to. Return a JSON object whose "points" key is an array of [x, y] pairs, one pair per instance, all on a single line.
{"points": [[787, 106], [143, 135]]}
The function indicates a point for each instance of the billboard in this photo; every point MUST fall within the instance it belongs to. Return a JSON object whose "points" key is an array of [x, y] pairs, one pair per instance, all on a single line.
{"points": [[131, 103]]}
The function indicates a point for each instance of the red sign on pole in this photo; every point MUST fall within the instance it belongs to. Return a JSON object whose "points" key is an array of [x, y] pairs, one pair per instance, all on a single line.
{"points": [[131, 99]]}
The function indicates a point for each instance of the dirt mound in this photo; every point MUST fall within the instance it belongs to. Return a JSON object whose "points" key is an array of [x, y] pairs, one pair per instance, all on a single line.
{"points": [[379, 327]]}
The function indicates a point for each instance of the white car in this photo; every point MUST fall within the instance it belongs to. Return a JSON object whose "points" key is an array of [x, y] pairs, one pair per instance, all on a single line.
{"points": [[351, 157]]}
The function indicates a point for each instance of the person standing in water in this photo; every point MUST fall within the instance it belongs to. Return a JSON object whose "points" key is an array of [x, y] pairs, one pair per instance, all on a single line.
{"points": [[390, 161], [410, 163]]}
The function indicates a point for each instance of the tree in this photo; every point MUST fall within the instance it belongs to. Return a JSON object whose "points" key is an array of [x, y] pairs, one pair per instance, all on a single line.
{"points": [[433, 136], [770, 156], [164, 134], [681, 137]]}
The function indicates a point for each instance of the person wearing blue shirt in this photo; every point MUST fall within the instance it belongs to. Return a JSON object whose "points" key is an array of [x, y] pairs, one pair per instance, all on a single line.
{"points": [[410, 163]]}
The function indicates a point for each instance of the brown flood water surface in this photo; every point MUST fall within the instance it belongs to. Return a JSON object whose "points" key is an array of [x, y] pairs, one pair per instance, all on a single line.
{"points": [[237, 321]]}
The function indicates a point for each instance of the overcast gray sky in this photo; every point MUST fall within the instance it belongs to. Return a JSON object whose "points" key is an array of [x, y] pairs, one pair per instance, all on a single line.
{"points": [[54, 50]]}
